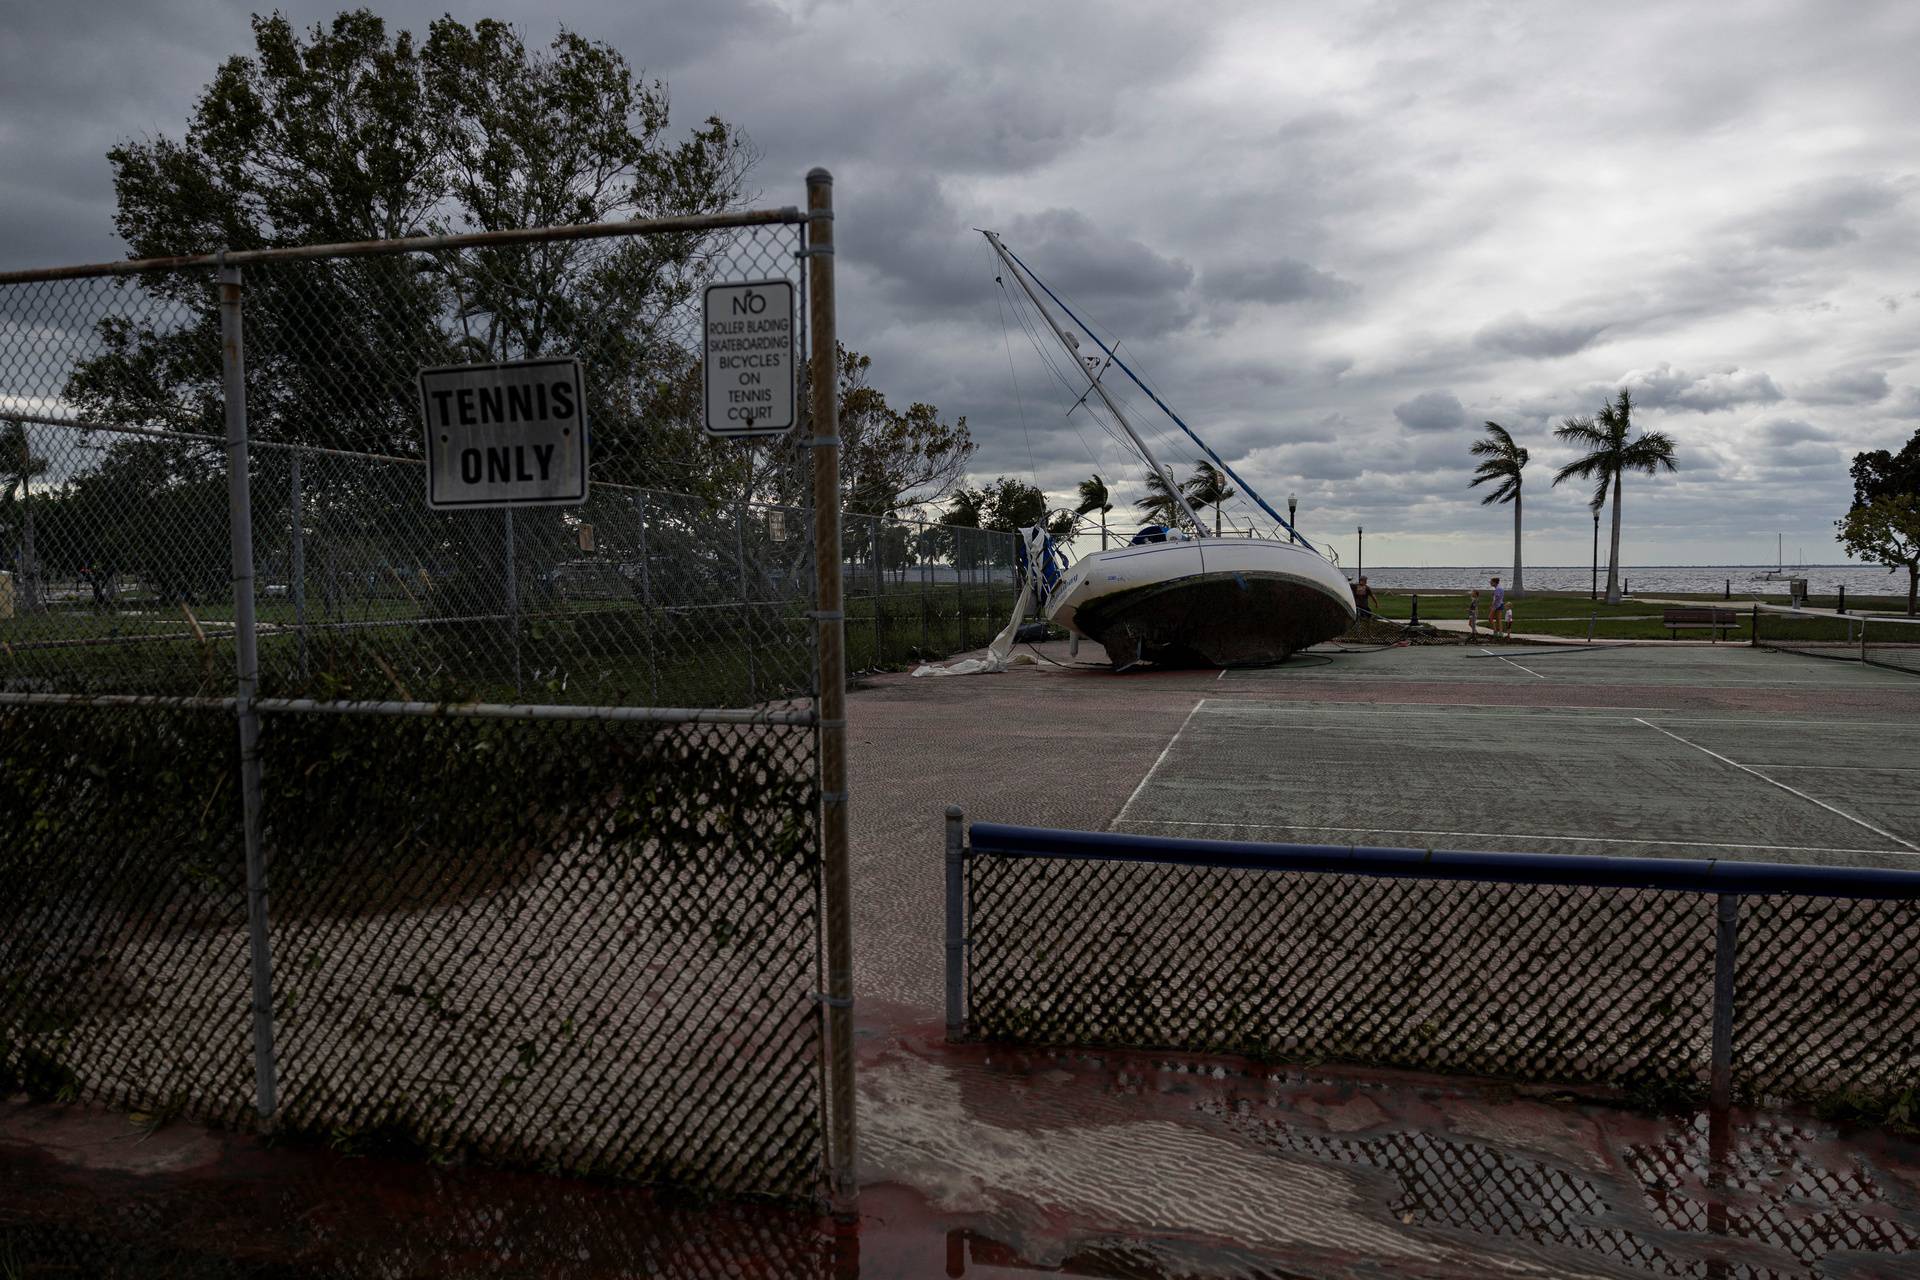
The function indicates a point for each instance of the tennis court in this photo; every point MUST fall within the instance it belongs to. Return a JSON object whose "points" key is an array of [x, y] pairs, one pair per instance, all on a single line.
{"points": [[1658, 779]]}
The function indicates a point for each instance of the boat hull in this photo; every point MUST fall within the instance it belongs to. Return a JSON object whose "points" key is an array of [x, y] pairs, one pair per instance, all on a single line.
{"points": [[1207, 602]]}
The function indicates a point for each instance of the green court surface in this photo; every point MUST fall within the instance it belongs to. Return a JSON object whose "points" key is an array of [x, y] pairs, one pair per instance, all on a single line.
{"points": [[1730, 666], [1754, 783]]}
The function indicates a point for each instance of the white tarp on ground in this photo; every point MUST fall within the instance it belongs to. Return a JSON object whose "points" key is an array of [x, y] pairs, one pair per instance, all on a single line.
{"points": [[997, 653]]}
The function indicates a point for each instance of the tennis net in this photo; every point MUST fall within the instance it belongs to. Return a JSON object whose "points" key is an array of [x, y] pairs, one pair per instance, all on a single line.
{"points": [[1875, 639]]}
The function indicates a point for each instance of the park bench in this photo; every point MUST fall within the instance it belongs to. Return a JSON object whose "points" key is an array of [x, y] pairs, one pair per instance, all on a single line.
{"points": [[1716, 620]]}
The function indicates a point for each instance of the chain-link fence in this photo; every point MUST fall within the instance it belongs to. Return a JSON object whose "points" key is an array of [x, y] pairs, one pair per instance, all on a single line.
{"points": [[916, 590], [537, 791], [1657, 976]]}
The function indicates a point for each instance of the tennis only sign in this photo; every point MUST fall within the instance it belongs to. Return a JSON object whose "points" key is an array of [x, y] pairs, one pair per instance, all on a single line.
{"points": [[505, 435]]}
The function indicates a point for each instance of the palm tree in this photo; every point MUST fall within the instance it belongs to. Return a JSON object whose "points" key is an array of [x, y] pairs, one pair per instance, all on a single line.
{"points": [[1208, 487], [18, 466], [1094, 497], [1503, 461], [1161, 504], [1610, 455]]}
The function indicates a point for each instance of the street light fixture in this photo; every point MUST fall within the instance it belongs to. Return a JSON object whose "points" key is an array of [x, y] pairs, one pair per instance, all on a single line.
{"points": [[1594, 593]]}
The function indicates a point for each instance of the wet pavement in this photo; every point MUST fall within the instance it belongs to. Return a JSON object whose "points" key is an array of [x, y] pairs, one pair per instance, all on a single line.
{"points": [[978, 1161], [984, 1162]]}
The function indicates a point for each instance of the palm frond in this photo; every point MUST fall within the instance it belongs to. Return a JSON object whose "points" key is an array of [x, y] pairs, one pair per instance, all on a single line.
{"points": [[1582, 468], [1507, 492], [1649, 454], [1582, 433]]}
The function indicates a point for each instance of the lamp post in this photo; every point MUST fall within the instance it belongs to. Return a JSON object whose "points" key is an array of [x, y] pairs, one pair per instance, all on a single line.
{"points": [[1359, 552], [1293, 505], [1594, 592]]}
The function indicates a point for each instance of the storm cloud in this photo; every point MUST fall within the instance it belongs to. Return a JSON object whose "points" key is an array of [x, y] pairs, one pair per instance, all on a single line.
{"points": [[1335, 238]]}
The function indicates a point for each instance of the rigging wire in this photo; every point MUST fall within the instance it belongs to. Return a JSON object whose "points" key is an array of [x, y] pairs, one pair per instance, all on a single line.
{"points": [[1033, 472]]}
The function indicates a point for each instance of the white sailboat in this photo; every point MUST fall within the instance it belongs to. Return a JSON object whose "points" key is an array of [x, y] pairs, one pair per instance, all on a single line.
{"points": [[1179, 596], [1780, 572]]}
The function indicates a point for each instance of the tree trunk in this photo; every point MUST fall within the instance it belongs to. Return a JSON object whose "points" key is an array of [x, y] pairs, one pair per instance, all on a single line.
{"points": [[1519, 583], [1613, 555], [1913, 587]]}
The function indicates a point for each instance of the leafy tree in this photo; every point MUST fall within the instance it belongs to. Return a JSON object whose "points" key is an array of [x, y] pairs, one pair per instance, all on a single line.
{"points": [[350, 132], [1886, 530], [1007, 505], [1208, 487], [1093, 496], [1502, 460], [1612, 451], [19, 465], [890, 458], [1878, 473]]}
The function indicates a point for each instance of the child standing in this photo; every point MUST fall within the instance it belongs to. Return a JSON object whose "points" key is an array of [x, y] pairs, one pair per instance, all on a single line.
{"points": [[1473, 613]]}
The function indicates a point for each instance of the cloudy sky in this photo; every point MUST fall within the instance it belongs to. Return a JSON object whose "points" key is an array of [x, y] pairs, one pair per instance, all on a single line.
{"points": [[1336, 237]]}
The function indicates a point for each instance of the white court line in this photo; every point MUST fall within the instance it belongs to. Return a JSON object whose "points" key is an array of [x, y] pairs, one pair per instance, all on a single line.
{"points": [[1850, 768], [1774, 782], [1158, 761], [1508, 835], [1510, 662], [1510, 711]]}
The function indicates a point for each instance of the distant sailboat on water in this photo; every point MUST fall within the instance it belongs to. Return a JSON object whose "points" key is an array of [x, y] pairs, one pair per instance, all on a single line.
{"points": [[1780, 572]]}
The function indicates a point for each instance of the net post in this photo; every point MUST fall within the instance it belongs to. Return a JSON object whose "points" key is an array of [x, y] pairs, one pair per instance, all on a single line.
{"points": [[830, 633], [1753, 636], [247, 682], [956, 921], [1725, 955]]}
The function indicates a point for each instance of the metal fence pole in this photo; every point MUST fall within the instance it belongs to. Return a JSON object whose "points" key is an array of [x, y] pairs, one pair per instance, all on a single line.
{"points": [[247, 671], [646, 604], [830, 619], [1725, 960], [746, 593], [513, 601], [926, 587], [879, 627], [298, 587], [956, 921]]}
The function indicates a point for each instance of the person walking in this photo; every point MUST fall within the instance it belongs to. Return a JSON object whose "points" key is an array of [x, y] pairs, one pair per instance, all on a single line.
{"points": [[1364, 601], [1497, 615]]}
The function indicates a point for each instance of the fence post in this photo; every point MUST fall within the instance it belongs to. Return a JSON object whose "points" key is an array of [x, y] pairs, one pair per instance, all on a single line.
{"points": [[956, 921], [879, 626], [513, 602], [830, 623], [247, 673], [746, 594], [646, 603], [1753, 630], [298, 587], [1725, 955], [926, 586]]}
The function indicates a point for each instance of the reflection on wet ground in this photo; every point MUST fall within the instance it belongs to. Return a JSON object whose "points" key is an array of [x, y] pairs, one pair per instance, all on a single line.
{"points": [[983, 1163]]}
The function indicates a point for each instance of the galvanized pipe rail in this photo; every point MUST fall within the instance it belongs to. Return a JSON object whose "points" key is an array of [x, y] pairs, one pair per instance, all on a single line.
{"points": [[1727, 882]]}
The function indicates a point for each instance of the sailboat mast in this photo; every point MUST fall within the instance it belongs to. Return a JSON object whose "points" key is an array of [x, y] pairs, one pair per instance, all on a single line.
{"points": [[1073, 351]]}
